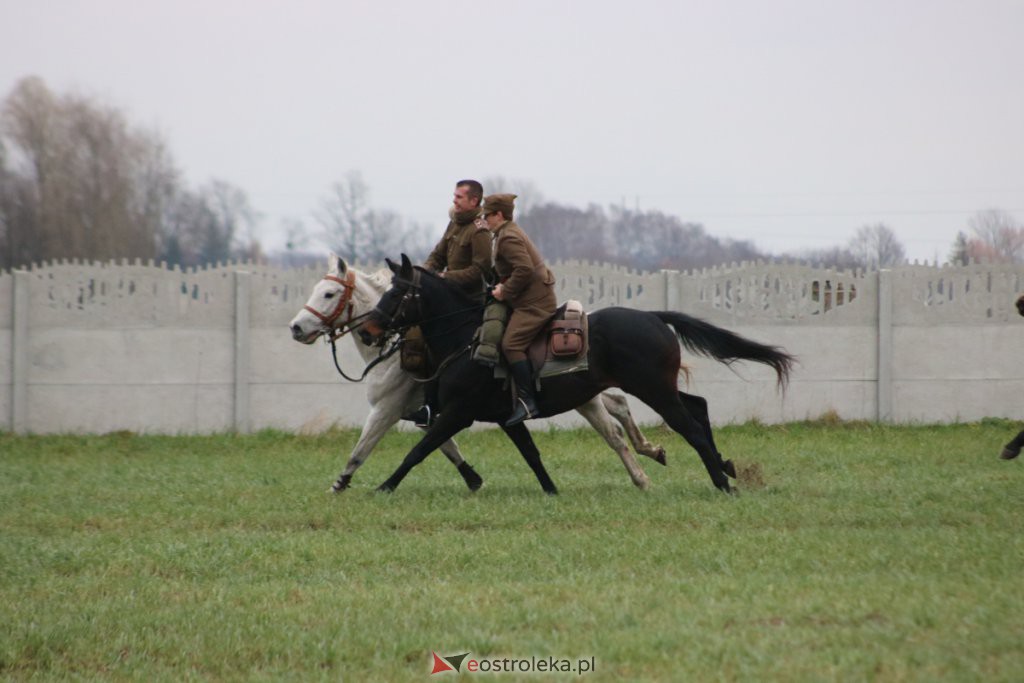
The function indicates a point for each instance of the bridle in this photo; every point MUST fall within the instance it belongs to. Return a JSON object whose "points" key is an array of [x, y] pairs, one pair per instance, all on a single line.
{"points": [[412, 293], [335, 331], [344, 303]]}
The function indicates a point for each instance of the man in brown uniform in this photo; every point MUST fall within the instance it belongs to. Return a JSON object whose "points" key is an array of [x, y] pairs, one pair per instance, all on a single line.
{"points": [[528, 287], [463, 257]]}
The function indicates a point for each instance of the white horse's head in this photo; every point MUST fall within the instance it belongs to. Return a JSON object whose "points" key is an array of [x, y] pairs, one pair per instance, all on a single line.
{"points": [[342, 295]]}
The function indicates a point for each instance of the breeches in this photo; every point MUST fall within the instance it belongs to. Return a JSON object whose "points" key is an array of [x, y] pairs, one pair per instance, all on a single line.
{"points": [[526, 321]]}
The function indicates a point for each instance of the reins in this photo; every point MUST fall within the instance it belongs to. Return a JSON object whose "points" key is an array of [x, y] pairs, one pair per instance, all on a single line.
{"points": [[370, 366], [345, 303], [443, 366]]}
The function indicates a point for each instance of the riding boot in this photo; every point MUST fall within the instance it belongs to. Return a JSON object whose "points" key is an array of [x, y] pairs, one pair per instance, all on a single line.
{"points": [[427, 413], [526, 404]]}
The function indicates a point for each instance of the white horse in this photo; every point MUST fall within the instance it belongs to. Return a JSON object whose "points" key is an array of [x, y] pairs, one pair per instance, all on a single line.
{"points": [[336, 304]]}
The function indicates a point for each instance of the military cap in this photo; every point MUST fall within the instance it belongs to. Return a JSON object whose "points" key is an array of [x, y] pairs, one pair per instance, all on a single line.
{"points": [[499, 202]]}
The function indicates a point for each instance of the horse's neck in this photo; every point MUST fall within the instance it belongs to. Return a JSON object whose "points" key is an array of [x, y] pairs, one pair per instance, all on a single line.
{"points": [[368, 291], [449, 328]]}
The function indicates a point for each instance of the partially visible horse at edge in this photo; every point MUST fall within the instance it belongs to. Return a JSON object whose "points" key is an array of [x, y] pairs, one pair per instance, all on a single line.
{"points": [[345, 296], [636, 351], [1013, 448]]}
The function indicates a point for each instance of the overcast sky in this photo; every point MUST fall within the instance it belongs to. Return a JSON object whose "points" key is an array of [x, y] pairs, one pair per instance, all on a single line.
{"points": [[788, 123]]}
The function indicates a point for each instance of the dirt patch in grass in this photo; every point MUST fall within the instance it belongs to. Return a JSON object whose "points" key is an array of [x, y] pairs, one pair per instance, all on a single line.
{"points": [[750, 476]]}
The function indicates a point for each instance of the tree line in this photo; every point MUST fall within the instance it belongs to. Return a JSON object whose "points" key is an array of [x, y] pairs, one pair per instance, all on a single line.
{"points": [[78, 180]]}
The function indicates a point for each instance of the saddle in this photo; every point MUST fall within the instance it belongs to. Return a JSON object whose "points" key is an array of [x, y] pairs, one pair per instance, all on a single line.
{"points": [[561, 347], [564, 339]]}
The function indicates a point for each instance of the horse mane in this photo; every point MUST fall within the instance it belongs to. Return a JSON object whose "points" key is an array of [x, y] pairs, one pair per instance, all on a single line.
{"points": [[380, 279], [455, 289]]}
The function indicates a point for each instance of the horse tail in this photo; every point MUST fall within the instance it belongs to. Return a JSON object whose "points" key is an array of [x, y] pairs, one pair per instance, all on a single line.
{"points": [[701, 337]]}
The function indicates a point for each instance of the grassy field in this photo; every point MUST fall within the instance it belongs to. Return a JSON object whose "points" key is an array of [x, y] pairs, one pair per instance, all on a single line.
{"points": [[854, 552]]}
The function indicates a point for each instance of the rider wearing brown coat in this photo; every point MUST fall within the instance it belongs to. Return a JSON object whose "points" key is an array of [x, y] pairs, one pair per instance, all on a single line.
{"points": [[528, 287], [463, 255]]}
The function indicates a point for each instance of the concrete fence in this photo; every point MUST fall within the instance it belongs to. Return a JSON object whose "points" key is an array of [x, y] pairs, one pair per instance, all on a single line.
{"points": [[104, 347]]}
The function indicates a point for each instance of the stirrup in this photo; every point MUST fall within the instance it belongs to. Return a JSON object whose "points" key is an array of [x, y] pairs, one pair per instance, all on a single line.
{"points": [[527, 413], [422, 417]]}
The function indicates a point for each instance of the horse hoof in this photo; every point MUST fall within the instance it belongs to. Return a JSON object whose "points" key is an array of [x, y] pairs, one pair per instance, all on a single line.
{"points": [[551, 492], [729, 468], [659, 456], [342, 483], [385, 488], [472, 479], [1009, 453]]}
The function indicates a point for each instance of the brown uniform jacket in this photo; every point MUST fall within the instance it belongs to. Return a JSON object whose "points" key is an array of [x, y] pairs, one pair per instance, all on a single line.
{"points": [[527, 286], [520, 268], [465, 253]]}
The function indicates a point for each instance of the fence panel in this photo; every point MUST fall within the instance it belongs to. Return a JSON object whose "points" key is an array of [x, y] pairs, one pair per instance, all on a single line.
{"points": [[98, 347]]}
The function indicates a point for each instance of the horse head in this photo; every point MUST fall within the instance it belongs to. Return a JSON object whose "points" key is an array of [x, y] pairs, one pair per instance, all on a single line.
{"points": [[401, 306], [336, 302]]}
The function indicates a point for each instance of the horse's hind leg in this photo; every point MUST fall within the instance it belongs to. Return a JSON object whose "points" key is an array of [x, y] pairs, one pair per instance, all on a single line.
{"points": [[1012, 449], [618, 407], [669, 405], [698, 407], [600, 419], [520, 436]]}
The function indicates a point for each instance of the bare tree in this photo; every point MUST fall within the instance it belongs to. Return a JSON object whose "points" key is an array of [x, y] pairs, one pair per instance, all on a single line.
{"points": [[876, 246], [342, 213], [77, 179], [204, 226], [360, 233], [234, 229], [998, 236], [831, 257], [528, 195], [639, 239]]}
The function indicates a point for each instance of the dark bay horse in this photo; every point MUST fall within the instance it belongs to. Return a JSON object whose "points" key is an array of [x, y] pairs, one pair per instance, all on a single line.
{"points": [[635, 351], [1012, 449]]}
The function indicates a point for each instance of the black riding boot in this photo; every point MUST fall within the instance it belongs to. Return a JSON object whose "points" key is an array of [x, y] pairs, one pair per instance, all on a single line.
{"points": [[526, 404], [427, 413]]}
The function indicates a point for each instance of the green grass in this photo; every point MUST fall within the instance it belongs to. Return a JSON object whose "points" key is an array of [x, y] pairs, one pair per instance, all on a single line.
{"points": [[870, 553]]}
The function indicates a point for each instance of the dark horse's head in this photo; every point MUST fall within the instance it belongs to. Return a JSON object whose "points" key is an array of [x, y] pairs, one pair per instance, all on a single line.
{"points": [[399, 307], [419, 297]]}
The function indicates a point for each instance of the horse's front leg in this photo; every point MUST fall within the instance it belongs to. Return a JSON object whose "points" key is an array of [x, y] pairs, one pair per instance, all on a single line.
{"points": [[520, 436], [448, 425], [381, 418]]}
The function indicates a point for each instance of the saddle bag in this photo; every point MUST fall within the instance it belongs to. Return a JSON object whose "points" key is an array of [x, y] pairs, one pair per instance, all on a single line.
{"points": [[565, 335], [414, 352], [488, 336]]}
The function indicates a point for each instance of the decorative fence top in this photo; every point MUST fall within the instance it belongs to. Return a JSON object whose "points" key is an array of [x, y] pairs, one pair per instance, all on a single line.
{"points": [[145, 295]]}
